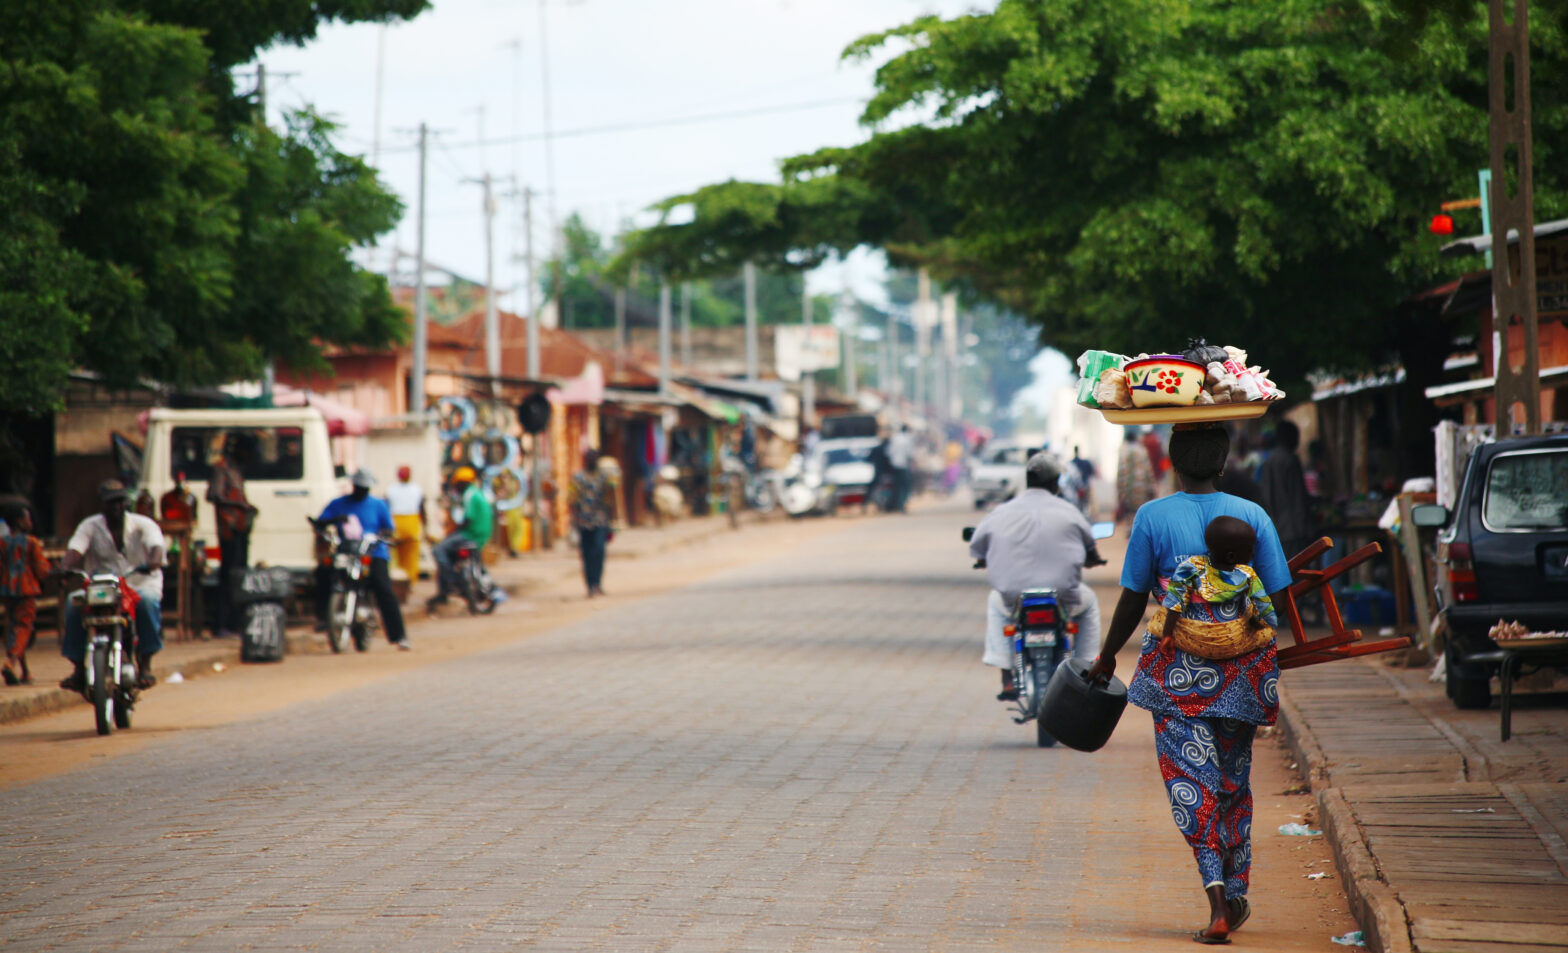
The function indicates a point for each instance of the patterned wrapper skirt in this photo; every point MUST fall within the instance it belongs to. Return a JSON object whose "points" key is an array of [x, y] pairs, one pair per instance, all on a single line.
{"points": [[1207, 767]]}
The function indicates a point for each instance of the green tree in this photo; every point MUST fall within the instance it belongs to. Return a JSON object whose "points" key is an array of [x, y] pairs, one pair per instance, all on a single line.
{"points": [[1131, 174], [150, 227]]}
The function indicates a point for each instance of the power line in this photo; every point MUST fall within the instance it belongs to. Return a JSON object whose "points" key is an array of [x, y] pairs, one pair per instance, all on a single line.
{"points": [[651, 124]]}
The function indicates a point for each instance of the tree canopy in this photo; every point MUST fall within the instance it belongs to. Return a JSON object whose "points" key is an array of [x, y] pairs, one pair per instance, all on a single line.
{"points": [[151, 226], [1130, 174]]}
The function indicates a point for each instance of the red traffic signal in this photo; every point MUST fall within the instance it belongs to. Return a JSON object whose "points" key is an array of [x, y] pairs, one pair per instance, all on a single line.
{"points": [[1442, 225]]}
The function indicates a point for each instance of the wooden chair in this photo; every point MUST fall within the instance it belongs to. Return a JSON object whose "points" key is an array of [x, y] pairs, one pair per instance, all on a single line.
{"points": [[1340, 643]]}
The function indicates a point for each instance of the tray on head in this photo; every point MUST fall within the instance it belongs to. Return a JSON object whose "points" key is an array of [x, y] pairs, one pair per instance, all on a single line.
{"points": [[1186, 415]]}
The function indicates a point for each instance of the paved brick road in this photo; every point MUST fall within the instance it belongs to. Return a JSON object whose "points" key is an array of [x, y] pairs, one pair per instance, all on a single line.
{"points": [[799, 755]]}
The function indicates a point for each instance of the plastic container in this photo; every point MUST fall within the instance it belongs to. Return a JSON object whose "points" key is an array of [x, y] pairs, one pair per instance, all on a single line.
{"points": [[1078, 714]]}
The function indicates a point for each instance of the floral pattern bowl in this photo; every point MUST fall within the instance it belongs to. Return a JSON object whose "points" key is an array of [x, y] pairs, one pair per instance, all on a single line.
{"points": [[1164, 380]]}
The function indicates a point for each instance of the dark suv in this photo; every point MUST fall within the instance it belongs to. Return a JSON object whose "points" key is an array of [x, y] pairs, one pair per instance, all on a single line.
{"points": [[1505, 553]]}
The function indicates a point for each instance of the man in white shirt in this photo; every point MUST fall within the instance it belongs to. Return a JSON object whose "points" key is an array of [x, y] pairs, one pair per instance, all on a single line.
{"points": [[1036, 540], [131, 547], [900, 457]]}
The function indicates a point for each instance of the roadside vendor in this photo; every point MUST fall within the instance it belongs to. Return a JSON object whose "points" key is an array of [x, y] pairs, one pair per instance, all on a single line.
{"points": [[1205, 710]]}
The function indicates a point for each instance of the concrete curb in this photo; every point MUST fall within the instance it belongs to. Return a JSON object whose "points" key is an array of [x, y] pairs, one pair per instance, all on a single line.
{"points": [[1373, 902]]}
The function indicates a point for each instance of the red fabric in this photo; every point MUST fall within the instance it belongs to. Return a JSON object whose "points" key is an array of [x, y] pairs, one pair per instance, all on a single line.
{"points": [[129, 599]]}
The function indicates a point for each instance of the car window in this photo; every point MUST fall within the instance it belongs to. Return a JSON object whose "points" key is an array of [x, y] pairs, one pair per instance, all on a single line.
{"points": [[1524, 491], [1010, 455], [847, 455], [277, 453]]}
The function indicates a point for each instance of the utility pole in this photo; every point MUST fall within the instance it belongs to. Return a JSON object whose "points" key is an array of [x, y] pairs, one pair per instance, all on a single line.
{"points": [[620, 320], [922, 337], [808, 381], [686, 325], [1517, 389], [533, 285], [417, 386], [894, 384], [492, 320], [664, 337], [750, 275], [950, 355], [851, 333]]}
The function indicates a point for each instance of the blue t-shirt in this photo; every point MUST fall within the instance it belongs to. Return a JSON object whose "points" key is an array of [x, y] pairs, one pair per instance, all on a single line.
{"points": [[1164, 533], [1170, 529], [373, 514]]}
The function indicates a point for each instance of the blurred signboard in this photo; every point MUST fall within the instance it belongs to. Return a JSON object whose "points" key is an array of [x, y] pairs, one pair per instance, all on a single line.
{"points": [[799, 348]]}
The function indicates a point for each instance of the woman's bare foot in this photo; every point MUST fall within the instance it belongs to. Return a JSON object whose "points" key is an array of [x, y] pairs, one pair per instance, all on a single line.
{"points": [[1219, 928]]}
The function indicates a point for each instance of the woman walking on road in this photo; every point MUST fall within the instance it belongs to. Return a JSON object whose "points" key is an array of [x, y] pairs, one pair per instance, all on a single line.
{"points": [[1206, 711], [591, 513]]}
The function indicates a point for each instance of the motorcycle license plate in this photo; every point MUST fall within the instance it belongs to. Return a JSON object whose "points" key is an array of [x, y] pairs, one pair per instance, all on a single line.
{"points": [[1046, 639], [100, 594], [342, 561]]}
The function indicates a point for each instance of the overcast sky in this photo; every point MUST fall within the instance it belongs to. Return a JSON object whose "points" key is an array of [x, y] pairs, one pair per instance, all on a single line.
{"points": [[761, 79]]}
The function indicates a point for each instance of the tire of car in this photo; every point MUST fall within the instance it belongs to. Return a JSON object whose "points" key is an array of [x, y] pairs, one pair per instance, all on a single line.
{"points": [[1466, 691]]}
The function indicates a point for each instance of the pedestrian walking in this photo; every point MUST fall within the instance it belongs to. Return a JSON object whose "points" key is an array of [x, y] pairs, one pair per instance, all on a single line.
{"points": [[406, 500], [591, 509], [1205, 710], [235, 514], [1134, 476], [23, 569], [901, 458], [1283, 488], [1086, 474]]}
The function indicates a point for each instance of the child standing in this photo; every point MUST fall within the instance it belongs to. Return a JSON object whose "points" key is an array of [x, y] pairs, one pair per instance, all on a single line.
{"points": [[1222, 580], [23, 570]]}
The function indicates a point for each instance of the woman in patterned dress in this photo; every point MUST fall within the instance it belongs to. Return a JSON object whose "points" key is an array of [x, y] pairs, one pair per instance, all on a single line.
{"points": [[1205, 711]]}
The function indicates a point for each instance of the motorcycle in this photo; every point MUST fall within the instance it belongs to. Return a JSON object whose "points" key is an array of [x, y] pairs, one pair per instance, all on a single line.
{"points": [[763, 490], [801, 490], [108, 610], [474, 584], [1042, 638], [351, 609]]}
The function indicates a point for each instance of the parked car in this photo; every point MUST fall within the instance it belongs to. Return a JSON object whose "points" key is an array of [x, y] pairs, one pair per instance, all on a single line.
{"points": [[847, 467], [1503, 552], [999, 474]]}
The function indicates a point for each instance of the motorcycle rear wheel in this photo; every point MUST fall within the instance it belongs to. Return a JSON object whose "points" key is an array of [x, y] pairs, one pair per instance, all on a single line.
{"points": [[340, 615], [476, 592], [102, 691]]}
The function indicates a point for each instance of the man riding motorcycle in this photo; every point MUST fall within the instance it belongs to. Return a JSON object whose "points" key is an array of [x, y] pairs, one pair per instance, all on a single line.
{"points": [[371, 516], [131, 547], [1037, 540], [478, 521]]}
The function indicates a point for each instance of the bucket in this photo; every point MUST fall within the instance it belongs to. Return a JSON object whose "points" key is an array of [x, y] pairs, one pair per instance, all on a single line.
{"points": [[1078, 714]]}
